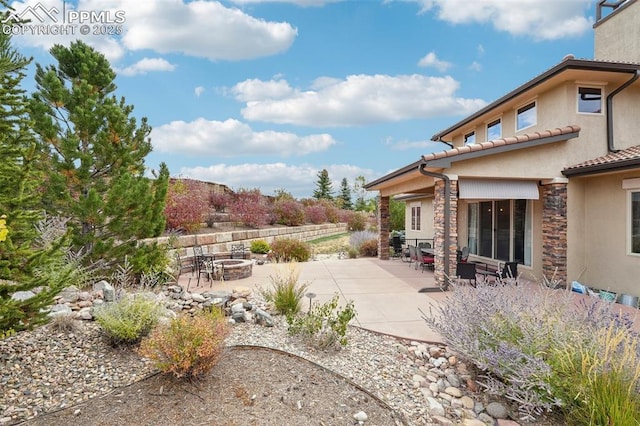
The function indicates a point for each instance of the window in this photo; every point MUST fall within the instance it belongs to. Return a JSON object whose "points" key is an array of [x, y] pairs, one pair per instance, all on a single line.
{"points": [[501, 230], [470, 138], [494, 130], [590, 100], [415, 218], [635, 222], [526, 116]]}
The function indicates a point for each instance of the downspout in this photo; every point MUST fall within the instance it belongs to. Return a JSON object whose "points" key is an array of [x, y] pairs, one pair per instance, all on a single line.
{"points": [[610, 146], [449, 144], [447, 217]]}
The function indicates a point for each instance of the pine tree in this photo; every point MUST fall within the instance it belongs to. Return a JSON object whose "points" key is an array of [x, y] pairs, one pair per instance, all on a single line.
{"points": [[97, 153], [345, 195], [26, 261], [323, 186], [358, 188]]}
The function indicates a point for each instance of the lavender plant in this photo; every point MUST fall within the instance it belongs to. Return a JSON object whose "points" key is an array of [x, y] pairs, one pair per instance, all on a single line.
{"points": [[519, 339], [358, 238]]}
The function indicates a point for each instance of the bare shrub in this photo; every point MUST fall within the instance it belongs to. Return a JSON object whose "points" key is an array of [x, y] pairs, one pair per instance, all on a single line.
{"points": [[189, 346]]}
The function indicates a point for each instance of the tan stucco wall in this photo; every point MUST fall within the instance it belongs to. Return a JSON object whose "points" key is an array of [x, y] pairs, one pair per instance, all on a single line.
{"points": [[617, 37], [426, 218], [605, 236]]}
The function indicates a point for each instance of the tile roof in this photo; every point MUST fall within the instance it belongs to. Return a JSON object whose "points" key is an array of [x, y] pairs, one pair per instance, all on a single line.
{"points": [[502, 142], [614, 160]]}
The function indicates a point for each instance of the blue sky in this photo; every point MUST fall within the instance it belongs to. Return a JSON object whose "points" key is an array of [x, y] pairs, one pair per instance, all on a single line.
{"points": [[264, 94]]}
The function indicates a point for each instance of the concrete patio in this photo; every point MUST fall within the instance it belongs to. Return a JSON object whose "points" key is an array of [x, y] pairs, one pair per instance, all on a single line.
{"points": [[384, 292]]}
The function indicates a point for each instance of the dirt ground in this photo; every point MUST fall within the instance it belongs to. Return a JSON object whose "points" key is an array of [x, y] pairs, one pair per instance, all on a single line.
{"points": [[249, 386]]}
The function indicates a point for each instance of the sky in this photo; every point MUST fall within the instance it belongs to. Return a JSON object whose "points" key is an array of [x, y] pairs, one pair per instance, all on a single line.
{"points": [[265, 94]]}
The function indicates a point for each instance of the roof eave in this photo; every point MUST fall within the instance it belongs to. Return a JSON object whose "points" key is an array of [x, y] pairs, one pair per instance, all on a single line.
{"points": [[390, 176], [559, 68], [446, 162], [603, 168]]}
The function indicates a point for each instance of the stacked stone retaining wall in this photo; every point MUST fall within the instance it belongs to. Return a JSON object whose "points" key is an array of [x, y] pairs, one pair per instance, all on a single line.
{"points": [[220, 242]]}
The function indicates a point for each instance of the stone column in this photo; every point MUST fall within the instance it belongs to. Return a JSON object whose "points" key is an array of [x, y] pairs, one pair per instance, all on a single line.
{"points": [[383, 228], [439, 217], [554, 230]]}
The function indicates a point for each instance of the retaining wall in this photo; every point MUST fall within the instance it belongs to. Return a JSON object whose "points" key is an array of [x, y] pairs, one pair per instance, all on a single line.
{"points": [[220, 242]]}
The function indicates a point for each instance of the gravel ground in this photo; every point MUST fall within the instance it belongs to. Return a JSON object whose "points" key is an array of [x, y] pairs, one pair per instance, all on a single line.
{"points": [[42, 371]]}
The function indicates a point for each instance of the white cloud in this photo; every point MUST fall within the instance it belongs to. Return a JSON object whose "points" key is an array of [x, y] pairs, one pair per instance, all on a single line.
{"points": [[299, 180], [359, 100], [146, 65], [404, 145], [303, 3], [475, 66], [199, 91], [252, 90], [232, 138], [199, 28], [431, 60], [540, 20]]}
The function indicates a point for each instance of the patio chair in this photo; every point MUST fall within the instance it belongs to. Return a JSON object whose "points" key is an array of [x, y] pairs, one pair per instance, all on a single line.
{"points": [[180, 265], [463, 255], [428, 261], [466, 271], [508, 270], [237, 251]]}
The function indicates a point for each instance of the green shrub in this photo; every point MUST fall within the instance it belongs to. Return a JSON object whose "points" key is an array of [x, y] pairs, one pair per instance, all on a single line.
{"points": [[128, 319], [289, 249], [324, 326], [369, 248], [189, 346], [598, 377], [260, 247], [7, 333], [285, 293], [352, 252], [357, 222]]}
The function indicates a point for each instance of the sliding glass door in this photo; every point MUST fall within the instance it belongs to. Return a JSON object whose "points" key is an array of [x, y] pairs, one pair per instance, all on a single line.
{"points": [[501, 230]]}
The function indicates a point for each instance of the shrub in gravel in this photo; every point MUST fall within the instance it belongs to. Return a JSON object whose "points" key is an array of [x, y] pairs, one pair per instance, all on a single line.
{"points": [[325, 325], [290, 249], [369, 248], [65, 323], [188, 346], [541, 351], [285, 293], [129, 319], [260, 247]]}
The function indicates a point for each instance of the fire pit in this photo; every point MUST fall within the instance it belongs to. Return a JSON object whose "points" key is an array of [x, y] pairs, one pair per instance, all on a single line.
{"points": [[235, 269]]}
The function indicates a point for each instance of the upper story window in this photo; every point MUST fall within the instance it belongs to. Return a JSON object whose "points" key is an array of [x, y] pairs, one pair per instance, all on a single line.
{"points": [[590, 100], [526, 116], [494, 130], [470, 138]]}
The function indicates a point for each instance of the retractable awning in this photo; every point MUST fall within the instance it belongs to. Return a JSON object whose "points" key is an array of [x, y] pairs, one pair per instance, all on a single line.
{"points": [[496, 189]]}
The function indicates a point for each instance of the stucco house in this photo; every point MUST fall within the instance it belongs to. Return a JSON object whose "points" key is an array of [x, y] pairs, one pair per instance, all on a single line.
{"points": [[548, 175]]}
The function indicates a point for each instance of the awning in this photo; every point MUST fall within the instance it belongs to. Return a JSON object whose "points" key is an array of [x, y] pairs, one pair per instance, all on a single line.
{"points": [[495, 189]]}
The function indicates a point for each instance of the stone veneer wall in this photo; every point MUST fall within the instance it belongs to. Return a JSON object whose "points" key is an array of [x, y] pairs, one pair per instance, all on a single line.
{"points": [[220, 242], [384, 227], [438, 227], [554, 231]]}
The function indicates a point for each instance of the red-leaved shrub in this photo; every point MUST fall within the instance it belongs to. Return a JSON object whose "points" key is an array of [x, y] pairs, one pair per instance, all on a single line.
{"points": [[289, 212], [249, 207], [316, 214], [186, 204]]}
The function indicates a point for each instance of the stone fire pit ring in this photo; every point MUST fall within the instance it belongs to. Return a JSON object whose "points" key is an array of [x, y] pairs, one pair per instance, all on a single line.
{"points": [[234, 269]]}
